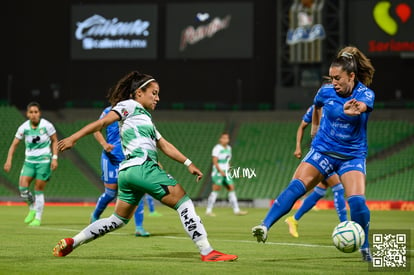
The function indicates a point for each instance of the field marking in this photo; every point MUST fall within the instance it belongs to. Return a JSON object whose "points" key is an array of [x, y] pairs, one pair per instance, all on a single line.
{"points": [[186, 238]]}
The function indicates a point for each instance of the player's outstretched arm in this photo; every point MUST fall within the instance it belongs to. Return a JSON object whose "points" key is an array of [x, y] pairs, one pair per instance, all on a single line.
{"points": [[316, 119], [12, 149], [54, 142], [92, 127], [101, 140], [299, 136], [172, 152]]}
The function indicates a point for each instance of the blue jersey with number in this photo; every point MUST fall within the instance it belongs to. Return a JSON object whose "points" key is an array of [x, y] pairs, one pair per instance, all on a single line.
{"points": [[307, 117], [113, 137], [339, 134]]}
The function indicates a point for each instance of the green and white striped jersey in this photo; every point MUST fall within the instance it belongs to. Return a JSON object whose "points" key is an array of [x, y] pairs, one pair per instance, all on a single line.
{"points": [[138, 134], [37, 140], [223, 155]]}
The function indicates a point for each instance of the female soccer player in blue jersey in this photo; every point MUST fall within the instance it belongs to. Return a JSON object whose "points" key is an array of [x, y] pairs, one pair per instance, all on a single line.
{"points": [[339, 144], [132, 98], [111, 157], [319, 191]]}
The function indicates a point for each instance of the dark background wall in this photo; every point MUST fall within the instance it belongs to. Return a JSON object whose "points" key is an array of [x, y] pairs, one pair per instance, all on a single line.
{"points": [[38, 56], [36, 61]]}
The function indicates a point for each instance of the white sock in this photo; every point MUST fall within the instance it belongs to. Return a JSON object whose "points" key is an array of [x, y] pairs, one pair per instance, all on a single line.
{"points": [[193, 226], [39, 205], [98, 229], [233, 201], [211, 200]]}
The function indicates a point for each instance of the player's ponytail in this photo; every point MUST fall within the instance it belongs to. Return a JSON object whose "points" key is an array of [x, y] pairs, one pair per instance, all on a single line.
{"points": [[127, 86], [353, 60]]}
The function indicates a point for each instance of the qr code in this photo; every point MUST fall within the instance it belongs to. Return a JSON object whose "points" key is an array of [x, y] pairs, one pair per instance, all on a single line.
{"points": [[389, 249]]}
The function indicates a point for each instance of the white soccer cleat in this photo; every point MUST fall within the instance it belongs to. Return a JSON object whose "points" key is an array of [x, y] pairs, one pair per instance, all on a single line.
{"points": [[260, 232]]}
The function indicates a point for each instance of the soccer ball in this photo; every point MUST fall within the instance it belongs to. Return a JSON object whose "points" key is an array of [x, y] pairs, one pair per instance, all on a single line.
{"points": [[348, 236]]}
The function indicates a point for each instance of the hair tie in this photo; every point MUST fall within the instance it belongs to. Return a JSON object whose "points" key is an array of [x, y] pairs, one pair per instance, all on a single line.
{"points": [[347, 55], [146, 82]]}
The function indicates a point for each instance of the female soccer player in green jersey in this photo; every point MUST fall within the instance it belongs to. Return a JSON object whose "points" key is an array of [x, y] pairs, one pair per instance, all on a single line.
{"points": [[221, 157], [40, 139], [132, 98]]}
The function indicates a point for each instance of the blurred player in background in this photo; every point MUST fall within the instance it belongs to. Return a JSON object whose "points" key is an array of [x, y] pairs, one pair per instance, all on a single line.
{"points": [[40, 140], [132, 98], [111, 157], [221, 157], [151, 206], [320, 190], [339, 144]]}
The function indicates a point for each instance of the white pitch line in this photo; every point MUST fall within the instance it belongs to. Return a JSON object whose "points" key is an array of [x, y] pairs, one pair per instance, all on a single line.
{"points": [[186, 238], [267, 243]]}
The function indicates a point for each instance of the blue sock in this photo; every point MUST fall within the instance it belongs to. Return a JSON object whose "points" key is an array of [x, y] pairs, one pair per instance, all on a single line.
{"points": [[284, 202], [139, 214], [310, 202], [339, 201], [360, 214], [103, 202], [150, 202]]}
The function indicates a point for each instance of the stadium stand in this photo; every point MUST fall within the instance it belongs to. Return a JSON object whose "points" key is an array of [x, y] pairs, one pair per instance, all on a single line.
{"points": [[268, 148], [88, 148], [395, 187], [67, 182], [11, 119], [263, 144], [386, 133], [195, 140]]}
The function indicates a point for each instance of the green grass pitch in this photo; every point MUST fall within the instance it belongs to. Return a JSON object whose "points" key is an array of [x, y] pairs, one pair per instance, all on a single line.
{"points": [[27, 250]]}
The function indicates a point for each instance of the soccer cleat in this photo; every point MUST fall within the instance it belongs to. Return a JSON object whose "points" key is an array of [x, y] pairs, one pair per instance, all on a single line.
{"points": [[315, 208], [35, 222], [241, 213], [63, 247], [210, 214], [155, 214], [140, 232], [93, 219], [293, 226], [366, 254], [216, 256], [260, 233], [30, 217]]}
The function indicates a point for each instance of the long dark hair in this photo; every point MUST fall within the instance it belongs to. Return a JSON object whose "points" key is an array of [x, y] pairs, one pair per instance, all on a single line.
{"points": [[351, 59], [126, 87]]}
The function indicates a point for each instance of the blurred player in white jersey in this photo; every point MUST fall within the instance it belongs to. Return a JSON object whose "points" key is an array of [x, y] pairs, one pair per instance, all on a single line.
{"points": [[221, 157], [40, 139]]}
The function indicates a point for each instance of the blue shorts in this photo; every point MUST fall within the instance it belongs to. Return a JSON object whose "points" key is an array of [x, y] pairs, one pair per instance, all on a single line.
{"points": [[327, 164], [109, 169]]}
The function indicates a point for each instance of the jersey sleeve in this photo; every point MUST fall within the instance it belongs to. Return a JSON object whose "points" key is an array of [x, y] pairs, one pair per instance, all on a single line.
{"points": [[124, 109], [318, 100], [105, 112], [158, 135], [216, 151], [368, 97], [307, 117], [322, 95], [20, 132], [50, 129]]}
